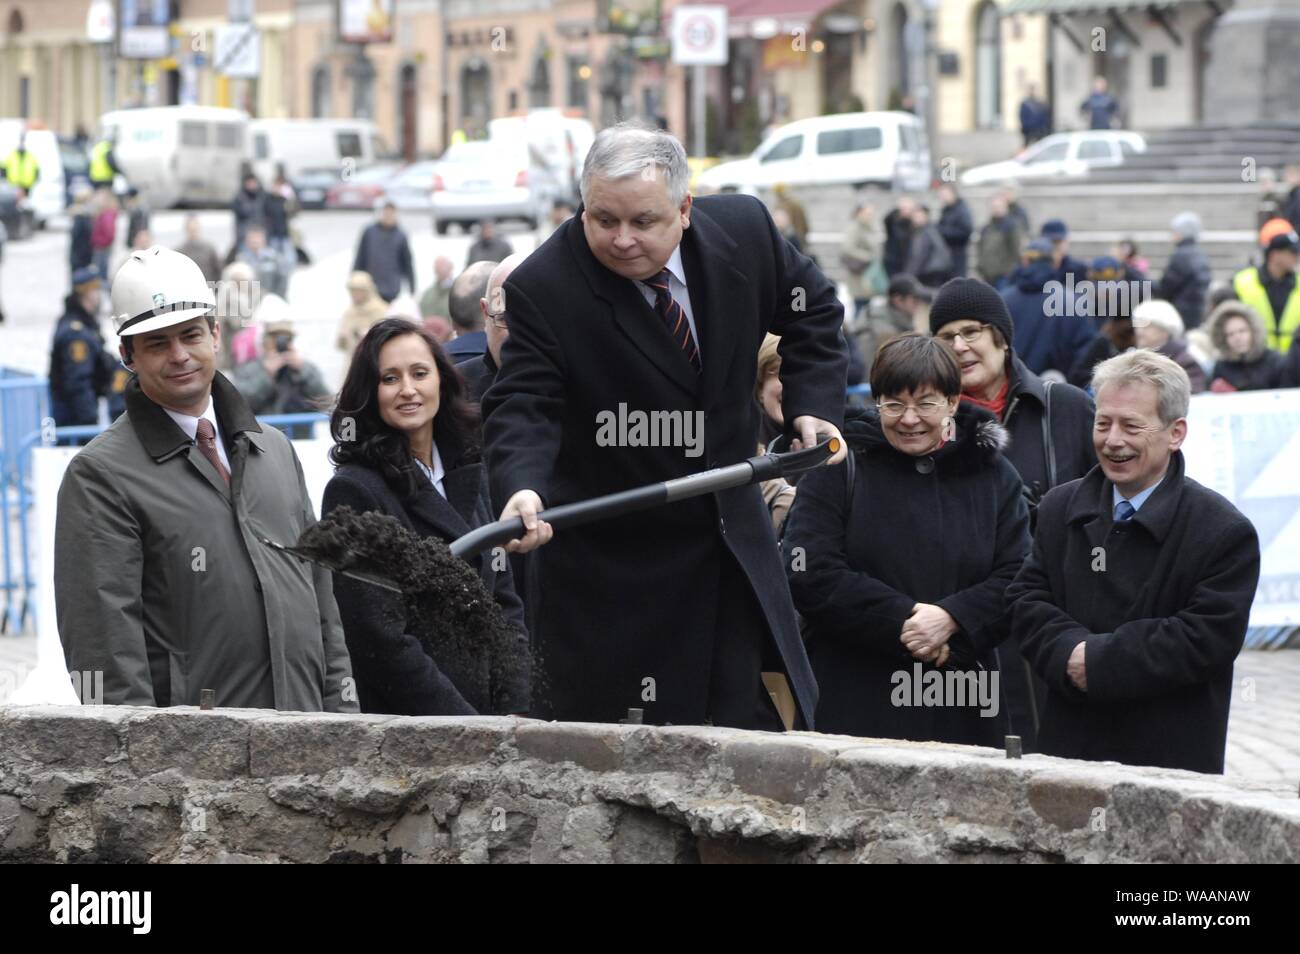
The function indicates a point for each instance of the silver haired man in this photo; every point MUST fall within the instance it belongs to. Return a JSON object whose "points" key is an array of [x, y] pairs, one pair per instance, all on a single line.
{"points": [[1134, 601], [647, 305]]}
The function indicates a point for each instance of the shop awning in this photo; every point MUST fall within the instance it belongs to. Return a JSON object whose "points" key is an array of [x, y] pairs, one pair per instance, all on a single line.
{"points": [[1088, 6], [767, 18]]}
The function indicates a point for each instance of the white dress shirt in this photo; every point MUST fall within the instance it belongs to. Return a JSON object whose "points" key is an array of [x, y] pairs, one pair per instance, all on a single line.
{"points": [[677, 288], [190, 425], [434, 473]]}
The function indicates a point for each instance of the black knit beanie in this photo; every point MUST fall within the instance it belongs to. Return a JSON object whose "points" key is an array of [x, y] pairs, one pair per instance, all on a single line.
{"points": [[969, 299]]}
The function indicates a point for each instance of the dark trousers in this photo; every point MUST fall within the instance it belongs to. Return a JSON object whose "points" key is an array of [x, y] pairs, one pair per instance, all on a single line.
{"points": [[741, 645]]}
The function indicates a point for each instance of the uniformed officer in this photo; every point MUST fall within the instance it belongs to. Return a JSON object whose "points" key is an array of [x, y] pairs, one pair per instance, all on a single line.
{"points": [[79, 373], [103, 164]]}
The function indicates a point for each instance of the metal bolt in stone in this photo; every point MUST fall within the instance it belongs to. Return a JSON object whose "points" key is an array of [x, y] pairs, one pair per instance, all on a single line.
{"points": [[634, 717], [1014, 750], [207, 698]]}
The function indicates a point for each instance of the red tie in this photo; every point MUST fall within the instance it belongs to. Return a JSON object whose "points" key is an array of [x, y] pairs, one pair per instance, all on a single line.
{"points": [[207, 438], [674, 318]]}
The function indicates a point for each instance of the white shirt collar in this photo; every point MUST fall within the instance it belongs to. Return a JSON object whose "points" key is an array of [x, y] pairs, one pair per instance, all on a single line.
{"points": [[434, 473], [675, 264], [190, 425]]}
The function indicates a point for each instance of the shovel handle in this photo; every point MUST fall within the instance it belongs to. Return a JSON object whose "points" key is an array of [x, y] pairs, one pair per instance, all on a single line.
{"points": [[751, 471]]}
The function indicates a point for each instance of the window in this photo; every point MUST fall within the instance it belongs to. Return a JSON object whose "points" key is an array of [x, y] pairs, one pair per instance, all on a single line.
{"points": [[1126, 148], [194, 134], [349, 144], [228, 136], [1052, 153], [834, 141], [1095, 149], [260, 148], [788, 148], [1159, 70]]}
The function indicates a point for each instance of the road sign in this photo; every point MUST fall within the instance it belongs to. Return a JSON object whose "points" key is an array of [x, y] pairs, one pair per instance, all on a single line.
{"points": [[700, 35], [238, 51]]}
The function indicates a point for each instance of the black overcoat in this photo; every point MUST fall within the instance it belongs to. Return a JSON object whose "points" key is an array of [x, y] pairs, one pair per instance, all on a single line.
{"points": [[393, 672], [948, 528], [627, 609], [1163, 617]]}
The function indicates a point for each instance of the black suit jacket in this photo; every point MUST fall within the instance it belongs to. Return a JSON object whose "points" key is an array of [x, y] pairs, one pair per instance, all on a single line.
{"points": [[628, 608], [393, 672]]}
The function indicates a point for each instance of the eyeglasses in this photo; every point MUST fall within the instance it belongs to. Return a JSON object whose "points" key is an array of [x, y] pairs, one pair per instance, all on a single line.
{"points": [[896, 409], [967, 335], [498, 320]]}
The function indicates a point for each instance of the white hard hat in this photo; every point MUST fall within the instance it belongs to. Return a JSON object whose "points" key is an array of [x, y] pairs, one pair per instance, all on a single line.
{"points": [[157, 288]]}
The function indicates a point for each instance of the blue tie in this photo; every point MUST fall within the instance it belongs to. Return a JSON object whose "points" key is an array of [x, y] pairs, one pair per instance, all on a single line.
{"points": [[1124, 511]]}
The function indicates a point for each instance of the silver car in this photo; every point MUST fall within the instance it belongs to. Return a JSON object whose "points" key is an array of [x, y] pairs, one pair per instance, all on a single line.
{"points": [[491, 180]]}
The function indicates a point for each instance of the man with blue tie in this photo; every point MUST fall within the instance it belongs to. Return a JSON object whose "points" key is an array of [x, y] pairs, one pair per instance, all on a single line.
{"points": [[634, 334], [1134, 601]]}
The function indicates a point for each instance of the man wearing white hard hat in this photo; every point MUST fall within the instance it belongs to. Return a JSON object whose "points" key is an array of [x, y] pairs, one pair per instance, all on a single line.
{"points": [[160, 580]]}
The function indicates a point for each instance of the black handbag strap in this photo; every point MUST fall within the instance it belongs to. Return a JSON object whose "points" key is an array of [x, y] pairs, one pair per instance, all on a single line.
{"points": [[1049, 445]]}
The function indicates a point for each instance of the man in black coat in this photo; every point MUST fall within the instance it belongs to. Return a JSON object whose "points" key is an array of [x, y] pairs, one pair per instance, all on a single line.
{"points": [[644, 308], [1187, 276], [1134, 601], [385, 254], [956, 227]]}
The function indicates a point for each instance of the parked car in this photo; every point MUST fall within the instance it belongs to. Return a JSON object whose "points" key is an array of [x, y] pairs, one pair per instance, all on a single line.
{"points": [[495, 179], [312, 186], [886, 149], [76, 168], [363, 188], [180, 155], [300, 144], [49, 195], [1067, 155], [411, 190]]}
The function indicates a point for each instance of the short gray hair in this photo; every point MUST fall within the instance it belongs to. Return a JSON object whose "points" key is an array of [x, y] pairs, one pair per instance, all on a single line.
{"points": [[1173, 388], [1186, 224], [630, 148]]}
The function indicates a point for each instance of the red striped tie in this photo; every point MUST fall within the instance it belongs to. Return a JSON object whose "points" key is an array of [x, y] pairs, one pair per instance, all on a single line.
{"points": [[674, 318]]}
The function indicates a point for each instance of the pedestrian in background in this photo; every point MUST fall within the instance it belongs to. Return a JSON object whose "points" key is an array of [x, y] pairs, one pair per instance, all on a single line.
{"points": [[998, 248], [1159, 328], [956, 227], [488, 247], [1187, 276], [1101, 107], [78, 371], [200, 250], [366, 309], [860, 253], [81, 248], [1035, 117], [104, 232], [385, 255], [1246, 363]]}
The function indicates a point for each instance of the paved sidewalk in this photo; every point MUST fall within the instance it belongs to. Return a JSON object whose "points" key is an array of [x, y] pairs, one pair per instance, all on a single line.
{"points": [[1263, 727]]}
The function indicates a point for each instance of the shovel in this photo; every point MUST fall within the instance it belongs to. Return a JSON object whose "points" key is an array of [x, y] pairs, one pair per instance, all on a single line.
{"points": [[751, 471]]}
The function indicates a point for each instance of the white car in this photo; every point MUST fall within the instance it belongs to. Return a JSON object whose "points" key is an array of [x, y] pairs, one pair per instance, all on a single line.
{"points": [[1068, 155], [887, 149], [492, 180]]}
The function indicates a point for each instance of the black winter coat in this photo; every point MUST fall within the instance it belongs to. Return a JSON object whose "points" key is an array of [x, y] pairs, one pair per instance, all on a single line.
{"points": [[637, 597], [386, 255], [80, 251], [950, 528], [956, 226], [1069, 437], [898, 242], [1163, 621], [393, 672], [1185, 282]]}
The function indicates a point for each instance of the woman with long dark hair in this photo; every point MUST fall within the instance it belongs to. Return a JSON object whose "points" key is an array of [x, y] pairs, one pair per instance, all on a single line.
{"points": [[406, 445]]}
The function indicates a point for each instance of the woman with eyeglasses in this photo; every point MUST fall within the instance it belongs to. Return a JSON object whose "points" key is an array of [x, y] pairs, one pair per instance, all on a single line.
{"points": [[1049, 425], [899, 561]]}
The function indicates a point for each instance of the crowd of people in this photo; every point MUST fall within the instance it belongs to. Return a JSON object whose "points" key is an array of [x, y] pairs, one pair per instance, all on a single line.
{"points": [[954, 532]]}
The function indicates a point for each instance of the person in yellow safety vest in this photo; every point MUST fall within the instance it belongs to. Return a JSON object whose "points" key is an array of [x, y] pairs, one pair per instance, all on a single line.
{"points": [[1273, 291], [102, 164], [20, 167]]}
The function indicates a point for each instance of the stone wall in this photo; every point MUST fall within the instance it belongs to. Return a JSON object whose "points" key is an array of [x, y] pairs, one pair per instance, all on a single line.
{"points": [[123, 784]]}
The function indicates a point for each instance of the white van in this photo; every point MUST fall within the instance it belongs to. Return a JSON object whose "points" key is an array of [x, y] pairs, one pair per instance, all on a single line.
{"points": [[190, 155], [49, 196], [886, 149], [303, 144], [559, 137]]}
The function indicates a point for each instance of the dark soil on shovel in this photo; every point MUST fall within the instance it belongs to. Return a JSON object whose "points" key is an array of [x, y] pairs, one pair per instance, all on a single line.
{"points": [[448, 609]]}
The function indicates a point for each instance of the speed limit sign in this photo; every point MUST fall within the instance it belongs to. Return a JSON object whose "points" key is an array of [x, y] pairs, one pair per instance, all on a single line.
{"points": [[700, 35]]}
